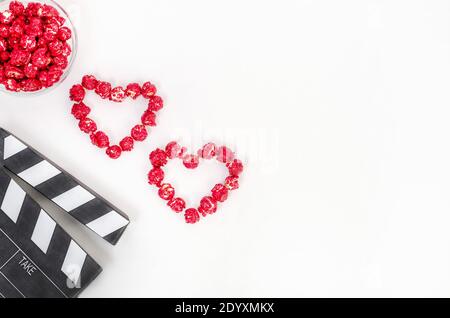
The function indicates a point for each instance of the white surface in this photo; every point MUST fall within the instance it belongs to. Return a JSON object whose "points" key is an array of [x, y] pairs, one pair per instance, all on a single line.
{"points": [[340, 110]]}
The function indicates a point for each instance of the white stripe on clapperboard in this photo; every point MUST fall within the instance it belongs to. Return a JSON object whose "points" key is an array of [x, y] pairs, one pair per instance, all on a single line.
{"points": [[107, 223], [43, 231], [74, 198], [12, 147], [13, 201], [74, 261], [39, 173]]}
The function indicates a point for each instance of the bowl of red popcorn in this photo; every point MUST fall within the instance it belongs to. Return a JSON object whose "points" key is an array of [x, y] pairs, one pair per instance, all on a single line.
{"points": [[37, 46]]}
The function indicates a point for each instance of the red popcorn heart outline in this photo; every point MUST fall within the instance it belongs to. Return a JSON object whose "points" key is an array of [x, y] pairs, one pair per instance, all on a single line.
{"points": [[117, 94], [208, 204]]}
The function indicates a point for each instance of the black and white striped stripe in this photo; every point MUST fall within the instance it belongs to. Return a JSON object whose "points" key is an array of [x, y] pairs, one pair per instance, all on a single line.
{"points": [[40, 238], [62, 188]]}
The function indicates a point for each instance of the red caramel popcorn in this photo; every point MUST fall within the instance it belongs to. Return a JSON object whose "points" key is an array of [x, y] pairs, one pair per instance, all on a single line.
{"points": [[114, 152], [127, 144], [89, 82], [133, 90], [232, 182], [149, 118], [219, 193], [156, 176], [80, 111], [100, 139], [118, 94], [87, 125], [166, 192], [191, 161], [103, 90], [177, 205], [191, 216], [148, 90], [174, 150], [208, 204], [34, 47], [158, 158], [235, 167], [139, 133]]}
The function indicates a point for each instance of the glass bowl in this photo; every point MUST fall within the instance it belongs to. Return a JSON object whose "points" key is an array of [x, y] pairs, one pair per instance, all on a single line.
{"points": [[73, 42]]}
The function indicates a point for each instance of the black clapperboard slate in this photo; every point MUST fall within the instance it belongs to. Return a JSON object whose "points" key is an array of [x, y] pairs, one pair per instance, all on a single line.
{"points": [[37, 257]]}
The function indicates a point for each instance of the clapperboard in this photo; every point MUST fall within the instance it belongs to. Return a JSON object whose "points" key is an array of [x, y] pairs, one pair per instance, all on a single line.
{"points": [[37, 257]]}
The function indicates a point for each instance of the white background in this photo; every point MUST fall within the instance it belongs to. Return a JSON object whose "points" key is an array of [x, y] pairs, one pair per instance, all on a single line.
{"points": [[339, 109]]}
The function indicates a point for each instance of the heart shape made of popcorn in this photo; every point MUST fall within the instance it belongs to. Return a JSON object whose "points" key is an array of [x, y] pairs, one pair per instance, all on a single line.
{"points": [[118, 94], [208, 205]]}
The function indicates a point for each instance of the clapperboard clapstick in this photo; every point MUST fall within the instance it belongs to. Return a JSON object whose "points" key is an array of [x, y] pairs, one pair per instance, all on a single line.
{"points": [[60, 187], [37, 257]]}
